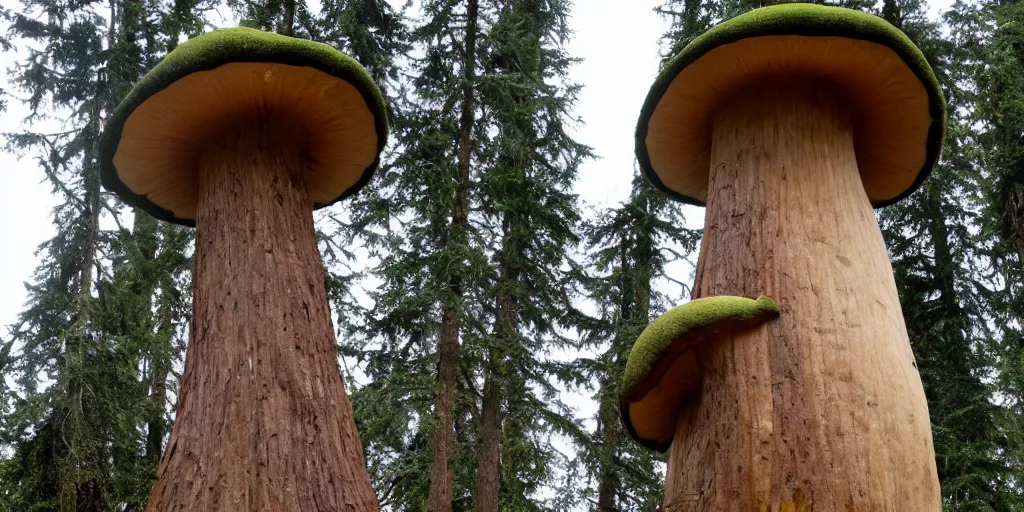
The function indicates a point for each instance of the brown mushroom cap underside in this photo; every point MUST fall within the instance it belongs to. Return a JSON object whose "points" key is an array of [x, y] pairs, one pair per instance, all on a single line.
{"points": [[164, 135], [889, 103]]}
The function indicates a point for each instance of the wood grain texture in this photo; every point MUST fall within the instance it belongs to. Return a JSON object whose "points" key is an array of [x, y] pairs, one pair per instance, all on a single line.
{"points": [[822, 408], [263, 422]]}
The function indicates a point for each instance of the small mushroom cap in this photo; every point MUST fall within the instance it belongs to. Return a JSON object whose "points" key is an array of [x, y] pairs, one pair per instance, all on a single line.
{"points": [[662, 372], [899, 111], [150, 144]]}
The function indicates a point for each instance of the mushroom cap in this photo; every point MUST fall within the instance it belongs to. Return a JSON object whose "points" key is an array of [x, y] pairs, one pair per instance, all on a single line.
{"points": [[898, 107], [663, 372], [149, 147]]}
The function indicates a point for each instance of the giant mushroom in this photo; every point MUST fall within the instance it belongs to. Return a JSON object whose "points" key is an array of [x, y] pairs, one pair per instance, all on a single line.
{"points": [[790, 123], [243, 133]]}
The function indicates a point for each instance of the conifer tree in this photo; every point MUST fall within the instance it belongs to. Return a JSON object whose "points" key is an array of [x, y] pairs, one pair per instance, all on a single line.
{"points": [[941, 291], [416, 220], [371, 31], [533, 218], [630, 247], [990, 43], [1001, 105], [480, 186], [77, 419], [687, 20]]}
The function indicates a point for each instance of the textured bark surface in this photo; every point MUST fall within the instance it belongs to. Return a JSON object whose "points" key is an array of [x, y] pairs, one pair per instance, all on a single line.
{"points": [[488, 457], [488, 470], [443, 445], [263, 422], [611, 435], [821, 409]]}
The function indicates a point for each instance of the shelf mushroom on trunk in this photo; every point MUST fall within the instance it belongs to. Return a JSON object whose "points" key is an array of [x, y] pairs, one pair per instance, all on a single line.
{"points": [[789, 123], [663, 373], [242, 133]]}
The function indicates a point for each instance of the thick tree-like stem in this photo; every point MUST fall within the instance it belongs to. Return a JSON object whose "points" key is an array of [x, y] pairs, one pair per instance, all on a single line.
{"points": [[263, 422], [822, 408]]}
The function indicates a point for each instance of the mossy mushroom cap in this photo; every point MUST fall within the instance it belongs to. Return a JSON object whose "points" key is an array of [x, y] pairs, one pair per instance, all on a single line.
{"points": [[662, 371], [148, 150], [898, 110]]}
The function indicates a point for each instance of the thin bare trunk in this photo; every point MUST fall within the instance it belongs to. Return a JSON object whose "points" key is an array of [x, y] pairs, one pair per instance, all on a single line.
{"points": [[288, 27], [488, 471], [1015, 218], [443, 442], [160, 366], [263, 421], [608, 483], [91, 181], [157, 401], [634, 304], [823, 408]]}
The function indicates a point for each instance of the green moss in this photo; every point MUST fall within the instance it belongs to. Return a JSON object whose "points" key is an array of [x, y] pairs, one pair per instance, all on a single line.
{"points": [[677, 323], [804, 20], [224, 46]]}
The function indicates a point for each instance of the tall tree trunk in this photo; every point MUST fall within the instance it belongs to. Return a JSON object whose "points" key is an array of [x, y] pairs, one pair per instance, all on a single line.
{"points": [[77, 485], [443, 442], [611, 430], [263, 421], [145, 239], [288, 23], [633, 310], [439, 498], [488, 471], [160, 366], [1015, 218], [91, 182], [691, 11], [157, 402], [823, 408]]}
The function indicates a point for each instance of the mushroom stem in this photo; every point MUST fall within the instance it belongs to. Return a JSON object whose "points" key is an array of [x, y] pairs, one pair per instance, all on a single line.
{"points": [[263, 421], [822, 409]]}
